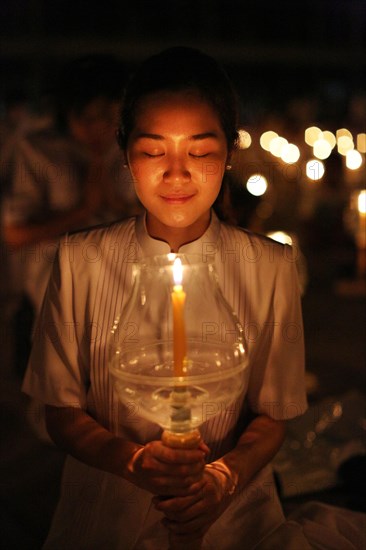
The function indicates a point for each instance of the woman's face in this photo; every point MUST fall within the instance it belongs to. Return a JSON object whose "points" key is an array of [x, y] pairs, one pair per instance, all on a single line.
{"points": [[177, 153]]}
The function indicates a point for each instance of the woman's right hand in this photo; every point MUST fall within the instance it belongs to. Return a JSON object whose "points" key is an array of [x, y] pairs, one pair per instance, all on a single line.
{"points": [[155, 467], [165, 471]]}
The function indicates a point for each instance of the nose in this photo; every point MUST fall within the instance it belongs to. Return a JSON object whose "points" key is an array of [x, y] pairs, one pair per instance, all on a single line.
{"points": [[176, 171]]}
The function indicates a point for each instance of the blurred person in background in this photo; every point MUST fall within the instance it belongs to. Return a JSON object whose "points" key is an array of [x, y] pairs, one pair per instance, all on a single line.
{"points": [[18, 119], [65, 177]]}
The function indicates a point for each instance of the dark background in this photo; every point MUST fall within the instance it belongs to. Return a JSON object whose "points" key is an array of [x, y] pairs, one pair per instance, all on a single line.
{"points": [[273, 51]]}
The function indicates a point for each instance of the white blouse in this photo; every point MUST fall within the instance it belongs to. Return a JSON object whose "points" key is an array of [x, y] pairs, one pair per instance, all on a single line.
{"points": [[89, 285]]}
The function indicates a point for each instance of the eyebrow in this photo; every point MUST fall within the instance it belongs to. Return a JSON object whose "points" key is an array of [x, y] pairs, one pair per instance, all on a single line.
{"points": [[195, 137]]}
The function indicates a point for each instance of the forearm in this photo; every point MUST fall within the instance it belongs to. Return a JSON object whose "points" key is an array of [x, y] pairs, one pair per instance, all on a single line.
{"points": [[77, 433], [256, 447], [157, 468]]}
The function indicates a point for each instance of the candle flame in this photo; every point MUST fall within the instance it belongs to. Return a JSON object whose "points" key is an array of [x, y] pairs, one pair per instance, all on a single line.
{"points": [[177, 271]]}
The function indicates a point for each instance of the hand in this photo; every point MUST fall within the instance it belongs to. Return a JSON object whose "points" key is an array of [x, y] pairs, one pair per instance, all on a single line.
{"points": [[166, 471], [189, 517]]}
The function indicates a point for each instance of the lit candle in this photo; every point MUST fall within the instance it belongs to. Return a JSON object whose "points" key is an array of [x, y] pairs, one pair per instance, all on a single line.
{"points": [[179, 332]]}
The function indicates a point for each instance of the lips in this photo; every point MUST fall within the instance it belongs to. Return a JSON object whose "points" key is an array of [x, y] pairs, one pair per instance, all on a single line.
{"points": [[176, 199]]}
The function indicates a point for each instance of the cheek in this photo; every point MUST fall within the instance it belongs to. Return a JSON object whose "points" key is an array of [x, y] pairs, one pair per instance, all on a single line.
{"points": [[142, 178], [134, 162], [144, 172], [135, 169], [210, 171]]}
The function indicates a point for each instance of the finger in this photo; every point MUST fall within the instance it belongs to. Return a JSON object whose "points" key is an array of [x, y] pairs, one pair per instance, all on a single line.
{"points": [[197, 487], [149, 466], [180, 456], [189, 514], [191, 469], [175, 504], [175, 456], [188, 474], [182, 470], [184, 482], [175, 486], [184, 510], [162, 485], [204, 447]]}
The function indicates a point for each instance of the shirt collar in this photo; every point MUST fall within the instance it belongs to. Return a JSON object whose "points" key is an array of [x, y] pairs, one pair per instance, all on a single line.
{"points": [[154, 247]]}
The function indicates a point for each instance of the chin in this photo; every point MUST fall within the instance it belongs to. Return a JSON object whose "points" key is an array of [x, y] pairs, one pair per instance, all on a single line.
{"points": [[181, 221]]}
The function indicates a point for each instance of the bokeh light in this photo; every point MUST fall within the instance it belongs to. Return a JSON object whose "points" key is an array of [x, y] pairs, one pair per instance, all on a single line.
{"points": [[330, 138], [290, 153], [343, 132], [280, 237], [266, 138], [312, 134], [361, 143], [245, 139], [257, 185], [315, 169], [322, 149], [345, 144], [353, 159], [276, 145]]}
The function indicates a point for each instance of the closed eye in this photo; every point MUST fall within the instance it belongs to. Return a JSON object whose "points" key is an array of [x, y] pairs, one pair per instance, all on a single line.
{"points": [[199, 156], [153, 156]]}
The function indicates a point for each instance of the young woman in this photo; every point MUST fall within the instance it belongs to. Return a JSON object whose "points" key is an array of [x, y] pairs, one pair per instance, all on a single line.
{"points": [[178, 131]]}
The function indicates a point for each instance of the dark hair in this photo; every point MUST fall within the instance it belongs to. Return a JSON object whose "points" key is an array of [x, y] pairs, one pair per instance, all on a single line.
{"points": [[87, 78], [179, 69]]}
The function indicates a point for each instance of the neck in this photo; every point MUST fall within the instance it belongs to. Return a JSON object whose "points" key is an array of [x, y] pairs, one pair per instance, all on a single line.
{"points": [[176, 236]]}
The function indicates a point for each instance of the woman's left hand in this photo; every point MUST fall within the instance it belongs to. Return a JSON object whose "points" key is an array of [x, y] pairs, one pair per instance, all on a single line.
{"points": [[188, 518]]}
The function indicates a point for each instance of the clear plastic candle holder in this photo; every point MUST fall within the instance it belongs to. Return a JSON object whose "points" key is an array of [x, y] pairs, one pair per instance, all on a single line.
{"points": [[143, 366]]}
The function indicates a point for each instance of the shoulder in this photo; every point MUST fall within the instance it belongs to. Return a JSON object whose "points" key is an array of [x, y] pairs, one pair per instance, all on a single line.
{"points": [[252, 247], [98, 242], [123, 229]]}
